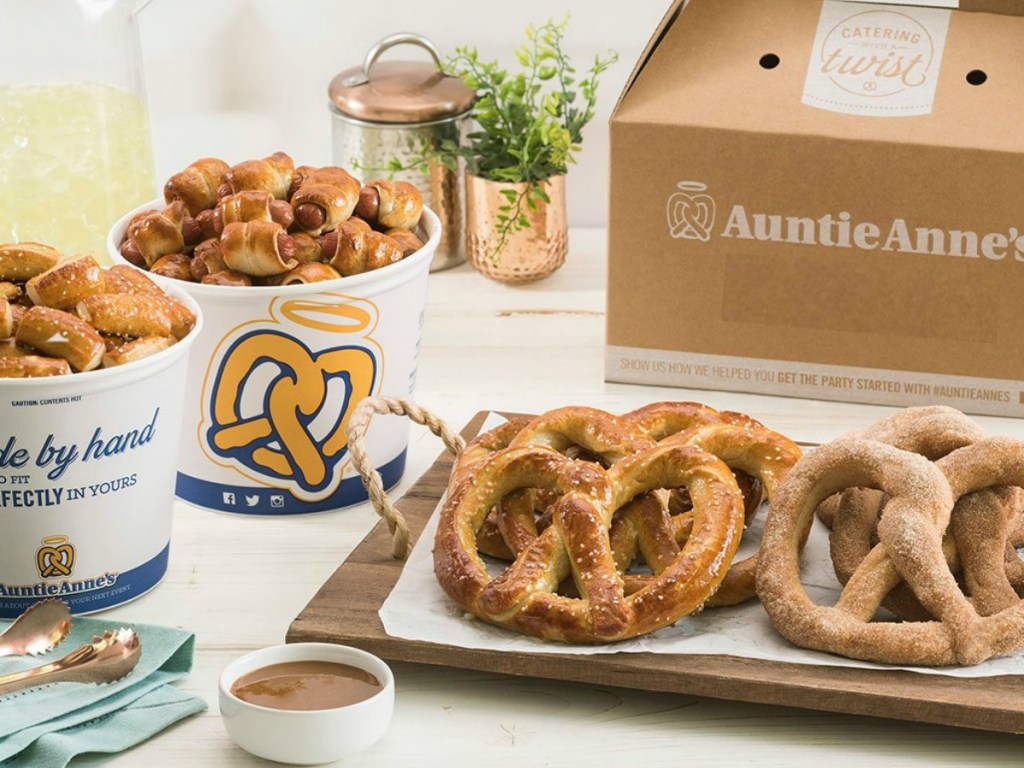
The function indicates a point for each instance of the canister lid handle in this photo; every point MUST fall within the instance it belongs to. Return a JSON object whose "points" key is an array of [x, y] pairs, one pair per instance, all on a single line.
{"points": [[391, 41]]}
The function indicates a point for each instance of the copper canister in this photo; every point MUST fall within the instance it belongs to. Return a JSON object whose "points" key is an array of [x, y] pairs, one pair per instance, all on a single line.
{"points": [[391, 110]]}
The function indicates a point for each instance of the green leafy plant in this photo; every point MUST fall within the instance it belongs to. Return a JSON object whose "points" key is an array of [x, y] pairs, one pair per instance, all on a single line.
{"points": [[529, 125]]}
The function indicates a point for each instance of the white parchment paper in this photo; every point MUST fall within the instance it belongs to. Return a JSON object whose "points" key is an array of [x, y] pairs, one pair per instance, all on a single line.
{"points": [[418, 609]]}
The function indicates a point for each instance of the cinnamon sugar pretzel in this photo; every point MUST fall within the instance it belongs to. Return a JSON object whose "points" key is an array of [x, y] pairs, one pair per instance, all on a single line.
{"points": [[974, 490], [636, 527]]}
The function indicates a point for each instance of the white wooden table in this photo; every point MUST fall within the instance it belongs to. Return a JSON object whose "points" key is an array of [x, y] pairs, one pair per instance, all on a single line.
{"points": [[239, 581]]}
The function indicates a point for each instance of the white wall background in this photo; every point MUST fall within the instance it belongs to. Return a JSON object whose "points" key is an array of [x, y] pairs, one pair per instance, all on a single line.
{"points": [[240, 78]]}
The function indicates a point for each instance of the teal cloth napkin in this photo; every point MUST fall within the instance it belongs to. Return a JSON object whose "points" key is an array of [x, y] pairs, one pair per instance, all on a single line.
{"points": [[46, 727]]}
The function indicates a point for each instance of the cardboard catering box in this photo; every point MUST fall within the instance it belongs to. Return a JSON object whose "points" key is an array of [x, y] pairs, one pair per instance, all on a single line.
{"points": [[823, 199]]}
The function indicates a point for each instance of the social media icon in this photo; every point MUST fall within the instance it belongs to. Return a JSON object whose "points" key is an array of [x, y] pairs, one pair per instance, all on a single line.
{"points": [[229, 498], [252, 501], [277, 501]]}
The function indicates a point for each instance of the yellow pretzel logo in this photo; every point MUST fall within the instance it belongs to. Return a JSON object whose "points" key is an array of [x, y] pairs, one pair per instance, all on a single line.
{"points": [[55, 558], [278, 409]]}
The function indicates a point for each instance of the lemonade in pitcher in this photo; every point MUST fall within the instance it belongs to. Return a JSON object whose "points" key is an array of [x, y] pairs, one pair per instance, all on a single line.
{"points": [[73, 158]]}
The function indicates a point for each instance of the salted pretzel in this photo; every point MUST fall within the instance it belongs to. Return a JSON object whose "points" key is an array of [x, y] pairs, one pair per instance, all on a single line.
{"points": [[386, 204], [257, 248], [576, 543], [23, 261], [122, 352], [126, 315], [67, 283], [7, 320], [196, 186], [60, 334], [324, 199], [743, 445], [122, 279], [32, 367], [271, 174]]}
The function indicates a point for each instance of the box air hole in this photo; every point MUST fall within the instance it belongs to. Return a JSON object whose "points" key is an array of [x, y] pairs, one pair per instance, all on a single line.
{"points": [[976, 77], [769, 61]]}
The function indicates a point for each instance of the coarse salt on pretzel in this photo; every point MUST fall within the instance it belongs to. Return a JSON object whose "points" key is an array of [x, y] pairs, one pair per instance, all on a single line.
{"points": [[135, 349], [577, 543], [752, 449], [32, 367], [127, 315], [67, 283], [23, 261], [60, 334]]}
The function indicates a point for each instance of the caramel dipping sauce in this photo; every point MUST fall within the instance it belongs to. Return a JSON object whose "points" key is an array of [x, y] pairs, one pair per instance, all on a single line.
{"points": [[306, 685]]}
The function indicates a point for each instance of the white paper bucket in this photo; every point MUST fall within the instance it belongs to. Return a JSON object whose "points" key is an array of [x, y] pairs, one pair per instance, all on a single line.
{"points": [[278, 371], [87, 473]]}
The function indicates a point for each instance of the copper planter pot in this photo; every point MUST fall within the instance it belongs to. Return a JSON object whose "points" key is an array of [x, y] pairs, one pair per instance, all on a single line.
{"points": [[529, 254]]}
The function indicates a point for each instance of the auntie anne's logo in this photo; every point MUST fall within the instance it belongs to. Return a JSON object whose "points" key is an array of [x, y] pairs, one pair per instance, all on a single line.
{"points": [[276, 406], [878, 53], [55, 558], [691, 212]]}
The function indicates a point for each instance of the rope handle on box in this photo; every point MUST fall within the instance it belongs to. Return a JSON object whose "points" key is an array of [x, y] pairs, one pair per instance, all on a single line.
{"points": [[355, 431]]}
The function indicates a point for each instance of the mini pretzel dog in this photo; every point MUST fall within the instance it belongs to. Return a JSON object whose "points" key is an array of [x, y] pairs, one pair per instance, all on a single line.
{"points": [[958, 513], [80, 316], [195, 238], [518, 493]]}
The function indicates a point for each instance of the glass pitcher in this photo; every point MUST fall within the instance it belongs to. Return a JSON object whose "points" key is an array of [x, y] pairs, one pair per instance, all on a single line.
{"points": [[75, 151]]}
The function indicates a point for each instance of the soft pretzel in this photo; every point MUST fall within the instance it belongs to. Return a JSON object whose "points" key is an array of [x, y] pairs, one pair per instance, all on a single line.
{"points": [[126, 315], [311, 272], [183, 319], [32, 367], [251, 205], [307, 248], [135, 349], [6, 319], [9, 291], [122, 279], [577, 543], [272, 174], [388, 204], [196, 186], [23, 261], [154, 234], [61, 334], [67, 283], [257, 248], [352, 250], [754, 450], [325, 198]]}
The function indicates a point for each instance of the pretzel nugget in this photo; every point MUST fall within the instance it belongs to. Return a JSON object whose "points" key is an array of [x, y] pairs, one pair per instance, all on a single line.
{"points": [[6, 319], [66, 284], [136, 349], [60, 334], [9, 291], [122, 279], [125, 315], [32, 367], [23, 261]]}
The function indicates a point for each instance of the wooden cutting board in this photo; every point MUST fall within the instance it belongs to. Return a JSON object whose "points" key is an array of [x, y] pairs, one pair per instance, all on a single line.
{"points": [[345, 611]]}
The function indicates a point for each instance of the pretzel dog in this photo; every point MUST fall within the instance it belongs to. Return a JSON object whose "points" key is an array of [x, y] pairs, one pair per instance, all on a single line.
{"points": [[636, 525]]}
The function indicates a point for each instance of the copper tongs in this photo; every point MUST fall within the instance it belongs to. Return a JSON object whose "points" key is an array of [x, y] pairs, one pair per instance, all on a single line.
{"points": [[38, 630], [104, 660]]}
